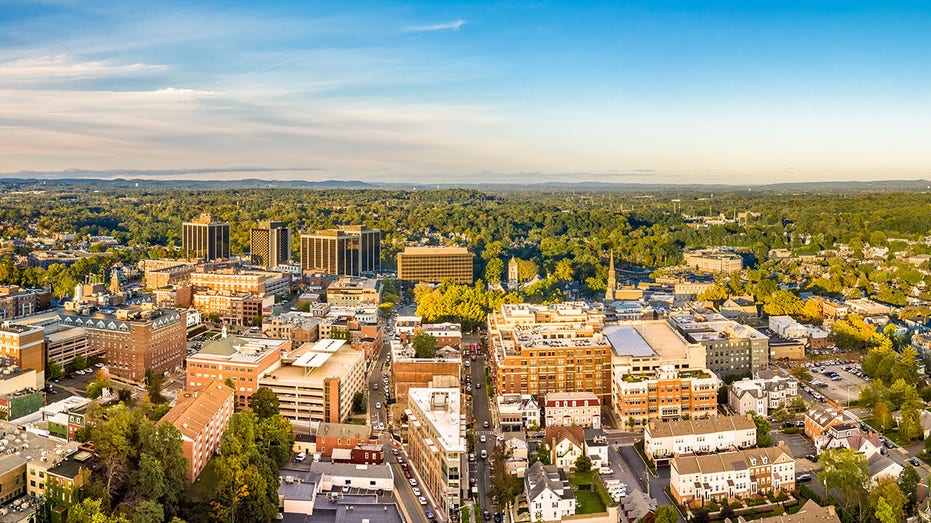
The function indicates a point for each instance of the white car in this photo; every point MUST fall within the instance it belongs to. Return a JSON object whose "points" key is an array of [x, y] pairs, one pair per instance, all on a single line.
{"points": [[413, 482], [482, 438], [416, 490], [377, 404], [422, 500]]}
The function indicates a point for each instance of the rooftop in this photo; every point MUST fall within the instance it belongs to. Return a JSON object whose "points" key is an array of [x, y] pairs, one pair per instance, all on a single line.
{"points": [[727, 461], [672, 428], [71, 466], [240, 350], [319, 366], [440, 407], [194, 410], [435, 250]]}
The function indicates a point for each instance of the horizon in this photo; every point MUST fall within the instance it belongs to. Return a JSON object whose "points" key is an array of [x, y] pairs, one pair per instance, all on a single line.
{"points": [[482, 93]]}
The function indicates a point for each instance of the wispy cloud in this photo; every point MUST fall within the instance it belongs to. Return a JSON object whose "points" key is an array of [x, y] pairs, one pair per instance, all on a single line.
{"points": [[436, 27], [45, 68], [150, 173]]}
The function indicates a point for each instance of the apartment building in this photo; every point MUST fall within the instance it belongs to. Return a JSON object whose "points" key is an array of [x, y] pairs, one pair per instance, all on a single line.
{"points": [[572, 408], [331, 436], [347, 250], [63, 480], [663, 440], [270, 245], [205, 238], [760, 396], [16, 301], [241, 359], [713, 261], [234, 281], [437, 443], [350, 291], [537, 349], [23, 346], [201, 416], [166, 273], [658, 374], [316, 382], [727, 475], [730, 348], [134, 339], [409, 372], [435, 264], [446, 334], [235, 309]]}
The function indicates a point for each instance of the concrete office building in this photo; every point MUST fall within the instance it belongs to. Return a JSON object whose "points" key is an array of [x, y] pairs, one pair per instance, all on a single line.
{"points": [[205, 238], [731, 348], [270, 245], [347, 251], [435, 264]]}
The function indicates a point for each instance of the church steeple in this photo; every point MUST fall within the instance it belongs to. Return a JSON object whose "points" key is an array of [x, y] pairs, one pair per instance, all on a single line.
{"points": [[612, 279]]}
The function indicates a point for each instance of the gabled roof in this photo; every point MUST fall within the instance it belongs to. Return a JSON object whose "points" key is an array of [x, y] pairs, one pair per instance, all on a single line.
{"points": [[555, 435], [667, 429], [726, 461], [540, 478], [194, 410]]}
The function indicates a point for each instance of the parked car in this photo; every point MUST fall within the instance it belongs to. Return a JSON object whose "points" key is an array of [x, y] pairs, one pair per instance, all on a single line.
{"points": [[300, 457], [812, 458], [416, 490], [422, 500], [801, 478], [429, 513], [484, 453], [914, 462], [482, 438], [412, 481]]}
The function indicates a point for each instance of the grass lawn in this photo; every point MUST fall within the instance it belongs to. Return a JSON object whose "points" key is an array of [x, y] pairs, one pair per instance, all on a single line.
{"points": [[587, 499]]}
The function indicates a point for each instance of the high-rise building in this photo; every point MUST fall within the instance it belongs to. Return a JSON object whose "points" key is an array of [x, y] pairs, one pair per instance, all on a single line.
{"points": [[435, 264], [201, 416], [347, 251], [205, 238], [270, 244]]}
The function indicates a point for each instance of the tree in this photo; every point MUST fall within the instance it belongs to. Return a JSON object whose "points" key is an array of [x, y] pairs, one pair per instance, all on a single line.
{"points": [[543, 454], [716, 293], [493, 270], [782, 303], [763, 439], [264, 403], [358, 403], [910, 426], [424, 345], [701, 516], [154, 382], [882, 416], [903, 395], [908, 484], [887, 501], [666, 514], [54, 371], [504, 486], [802, 373], [583, 464], [797, 405], [148, 511], [95, 388], [126, 396], [847, 472]]}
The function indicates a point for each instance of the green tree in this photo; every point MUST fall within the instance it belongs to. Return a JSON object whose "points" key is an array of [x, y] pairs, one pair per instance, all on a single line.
{"points": [[910, 426], [543, 454], [763, 438], [797, 405], [887, 500], [802, 373], [583, 464], [908, 483], [666, 514], [54, 371], [358, 403], [95, 388], [847, 473], [154, 382], [783, 303], [504, 486], [424, 345], [493, 270], [882, 416], [148, 511], [264, 403]]}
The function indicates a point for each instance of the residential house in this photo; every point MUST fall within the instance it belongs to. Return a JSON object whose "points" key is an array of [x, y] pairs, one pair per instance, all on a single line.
{"points": [[572, 408], [760, 396], [881, 466], [810, 512], [842, 437], [517, 412], [549, 496], [819, 419], [663, 440], [740, 474], [596, 447], [741, 309], [566, 445]]}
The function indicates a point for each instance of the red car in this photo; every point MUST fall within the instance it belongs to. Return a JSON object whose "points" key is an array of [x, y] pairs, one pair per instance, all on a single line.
{"points": [[407, 474], [485, 424]]}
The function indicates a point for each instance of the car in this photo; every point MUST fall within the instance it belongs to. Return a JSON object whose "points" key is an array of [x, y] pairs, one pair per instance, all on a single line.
{"points": [[377, 404], [485, 424], [484, 454], [345, 489], [801, 478], [914, 462], [604, 471], [473, 357], [889, 444], [416, 490], [471, 458], [478, 385], [374, 386], [408, 475], [395, 451], [482, 438], [422, 500], [486, 515], [55, 380], [469, 387], [412, 481], [884, 451], [812, 458], [300, 457], [429, 513], [99, 365]]}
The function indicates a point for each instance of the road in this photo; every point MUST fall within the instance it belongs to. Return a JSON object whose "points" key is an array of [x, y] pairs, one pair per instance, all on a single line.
{"points": [[480, 412]]}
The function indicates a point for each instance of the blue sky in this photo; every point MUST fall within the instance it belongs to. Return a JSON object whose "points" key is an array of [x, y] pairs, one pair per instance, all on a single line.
{"points": [[520, 91]]}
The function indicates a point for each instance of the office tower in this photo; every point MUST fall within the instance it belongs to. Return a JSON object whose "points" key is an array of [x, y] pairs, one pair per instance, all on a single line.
{"points": [[347, 251], [435, 264], [270, 245], [206, 239]]}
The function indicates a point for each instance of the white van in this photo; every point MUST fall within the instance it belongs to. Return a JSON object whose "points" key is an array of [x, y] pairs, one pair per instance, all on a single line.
{"points": [[300, 457]]}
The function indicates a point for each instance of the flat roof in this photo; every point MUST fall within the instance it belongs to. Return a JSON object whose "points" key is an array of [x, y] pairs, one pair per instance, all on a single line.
{"points": [[626, 341], [445, 420], [435, 250]]}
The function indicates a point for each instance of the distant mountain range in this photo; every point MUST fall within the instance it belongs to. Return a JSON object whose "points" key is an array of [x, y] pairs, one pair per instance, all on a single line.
{"points": [[256, 183]]}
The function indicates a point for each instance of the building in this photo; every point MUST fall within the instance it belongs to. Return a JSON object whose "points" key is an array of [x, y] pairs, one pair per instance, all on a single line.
{"points": [[316, 382], [658, 374], [410, 372], [713, 261], [566, 445], [16, 301], [270, 245], [760, 396], [166, 273], [315, 495], [12, 477], [810, 512], [235, 281], [235, 309], [351, 291], [663, 440], [572, 408], [63, 480], [331, 436], [446, 334], [727, 475], [437, 444], [741, 309], [849, 436], [201, 416], [881, 466], [611, 285], [367, 454], [537, 349], [435, 264], [15, 405], [787, 327], [135, 339], [730, 348], [819, 419], [241, 359], [205, 238], [348, 250], [23, 347], [549, 496], [517, 412], [62, 343]]}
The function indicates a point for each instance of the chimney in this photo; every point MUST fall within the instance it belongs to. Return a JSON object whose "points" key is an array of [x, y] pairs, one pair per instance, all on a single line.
{"points": [[750, 416]]}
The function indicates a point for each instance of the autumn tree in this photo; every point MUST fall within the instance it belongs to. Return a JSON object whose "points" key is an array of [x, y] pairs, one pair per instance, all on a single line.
{"points": [[264, 403], [887, 501]]}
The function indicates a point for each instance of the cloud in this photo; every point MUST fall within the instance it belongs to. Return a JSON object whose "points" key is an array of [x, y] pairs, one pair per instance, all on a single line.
{"points": [[64, 67], [149, 173], [436, 27]]}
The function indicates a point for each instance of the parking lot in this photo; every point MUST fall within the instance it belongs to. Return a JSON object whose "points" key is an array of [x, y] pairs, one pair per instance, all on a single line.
{"points": [[843, 390], [800, 447]]}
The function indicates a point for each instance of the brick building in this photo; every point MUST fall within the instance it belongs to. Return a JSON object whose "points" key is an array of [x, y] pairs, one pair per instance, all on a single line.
{"points": [[201, 416]]}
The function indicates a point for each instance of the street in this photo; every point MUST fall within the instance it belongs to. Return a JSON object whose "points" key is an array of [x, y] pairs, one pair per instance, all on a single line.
{"points": [[480, 413]]}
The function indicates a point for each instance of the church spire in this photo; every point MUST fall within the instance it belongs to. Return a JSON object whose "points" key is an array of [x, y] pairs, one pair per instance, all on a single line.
{"points": [[612, 279]]}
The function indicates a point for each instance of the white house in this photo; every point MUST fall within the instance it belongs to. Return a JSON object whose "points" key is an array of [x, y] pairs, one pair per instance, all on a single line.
{"points": [[572, 408], [666, 439], [517, 411], [549, 496], [786, 327], [596, 447], [566, 445], [760, 396], [881, 466]]}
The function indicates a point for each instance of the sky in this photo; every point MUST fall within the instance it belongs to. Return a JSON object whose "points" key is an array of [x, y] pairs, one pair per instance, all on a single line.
{"points": [[742, 92]]}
